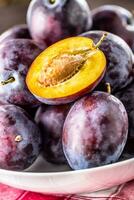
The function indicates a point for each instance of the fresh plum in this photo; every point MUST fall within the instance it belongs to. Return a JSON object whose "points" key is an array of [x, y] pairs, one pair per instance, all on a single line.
{"points": [[15, 58], [50, 120], [52, 20], [95, 131], [115, 19], [20, 138], [119, 72], [16, 32], [126, 95]]}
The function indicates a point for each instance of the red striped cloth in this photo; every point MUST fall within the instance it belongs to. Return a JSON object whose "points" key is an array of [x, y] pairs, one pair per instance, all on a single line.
{"points": [[123, 192]]}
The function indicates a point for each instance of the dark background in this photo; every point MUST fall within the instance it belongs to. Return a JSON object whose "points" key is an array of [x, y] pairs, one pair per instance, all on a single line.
{"points": [[15, 13]]}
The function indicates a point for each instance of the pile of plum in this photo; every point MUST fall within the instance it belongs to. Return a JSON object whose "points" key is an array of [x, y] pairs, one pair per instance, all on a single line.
{"points": [[67, 86]]}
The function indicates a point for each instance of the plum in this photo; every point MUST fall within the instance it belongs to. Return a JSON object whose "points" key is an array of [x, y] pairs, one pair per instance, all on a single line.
{"points": [[115, 19], [95, 131], [126, 95], [16, 32], [20, 138], [52, 20], [119, 72], [16, 56], [66, 70], [50, 120]]}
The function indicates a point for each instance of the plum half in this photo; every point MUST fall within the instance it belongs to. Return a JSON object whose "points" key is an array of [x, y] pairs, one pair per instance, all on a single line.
{"points": [[20, 139], [95, 131], [119, 69], [66, 70], [52, 20], [50, 120]]}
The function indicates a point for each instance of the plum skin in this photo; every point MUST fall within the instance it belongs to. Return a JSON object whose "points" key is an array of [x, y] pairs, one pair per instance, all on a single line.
{"points": [[126, 95], [115, 19], [119, 72], [16, 56], [50, 120], [17, 154], [50, 23], [95, 131], [16, 32]]}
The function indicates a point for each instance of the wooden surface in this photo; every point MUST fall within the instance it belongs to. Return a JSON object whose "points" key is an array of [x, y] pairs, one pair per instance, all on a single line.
{"points": [[15, 14]]}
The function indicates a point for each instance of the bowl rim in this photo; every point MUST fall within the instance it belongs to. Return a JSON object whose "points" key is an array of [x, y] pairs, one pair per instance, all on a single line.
{"points": [[40, 174]]}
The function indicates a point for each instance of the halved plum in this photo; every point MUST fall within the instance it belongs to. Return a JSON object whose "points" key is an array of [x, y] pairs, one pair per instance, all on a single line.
{"points": [[66, 70]]}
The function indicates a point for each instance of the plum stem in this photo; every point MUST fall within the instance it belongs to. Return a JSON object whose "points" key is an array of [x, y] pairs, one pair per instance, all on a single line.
{"points": [[108, 88], [18, 138], [101, 40], [9, 80], [52, 1]]}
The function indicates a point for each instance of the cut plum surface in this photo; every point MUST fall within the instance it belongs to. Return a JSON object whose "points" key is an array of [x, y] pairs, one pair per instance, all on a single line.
{"points": [[66, 70]]}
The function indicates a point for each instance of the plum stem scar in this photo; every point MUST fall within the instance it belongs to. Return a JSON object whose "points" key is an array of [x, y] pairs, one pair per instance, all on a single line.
{"points": [[9, 80], [18, 138]]}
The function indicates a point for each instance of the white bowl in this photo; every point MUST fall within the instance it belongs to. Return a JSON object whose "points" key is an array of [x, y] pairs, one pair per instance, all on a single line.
{"points": [[65, 181]]}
